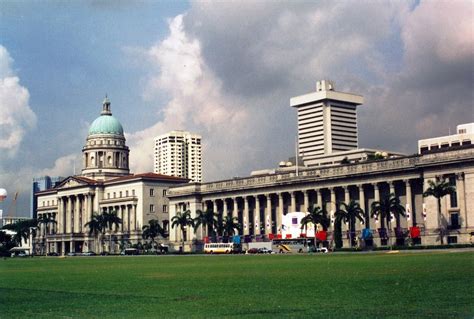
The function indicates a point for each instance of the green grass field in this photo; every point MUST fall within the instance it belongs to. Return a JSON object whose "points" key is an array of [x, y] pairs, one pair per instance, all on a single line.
{"points": [[424, 285]]}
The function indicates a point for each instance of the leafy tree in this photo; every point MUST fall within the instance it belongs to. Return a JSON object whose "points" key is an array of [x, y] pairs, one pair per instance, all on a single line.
{"points": [[96, 226], [230, 225], [23, 229], [109, 221], [182, 220], [439, 189], [317, 216], [6, 243], [338, 231], [153, 230], [207, 219], [387, 206], [45, 220], [349, 213]]}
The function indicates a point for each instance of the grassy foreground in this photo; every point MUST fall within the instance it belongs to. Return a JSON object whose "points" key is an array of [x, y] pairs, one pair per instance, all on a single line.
{"points": [[425, 285]]}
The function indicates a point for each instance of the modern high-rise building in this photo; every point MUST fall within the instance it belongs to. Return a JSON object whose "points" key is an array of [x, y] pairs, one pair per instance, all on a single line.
{"points": [[178, 153], [327, 121], [40, 184]]}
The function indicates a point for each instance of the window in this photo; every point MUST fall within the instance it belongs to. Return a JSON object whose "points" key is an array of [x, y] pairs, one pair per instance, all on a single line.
{"points": [[108, 195], [126, 193], [453, 197], [466, 142], [133, 192], [152, 192], [165, 208], [462, 131], [152, 208], [454, 221], [115, 195], [164, 192], [120, 194]]}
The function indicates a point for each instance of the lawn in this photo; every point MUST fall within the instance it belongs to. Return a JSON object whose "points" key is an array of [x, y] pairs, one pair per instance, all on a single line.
{"points": [[423, 285]]}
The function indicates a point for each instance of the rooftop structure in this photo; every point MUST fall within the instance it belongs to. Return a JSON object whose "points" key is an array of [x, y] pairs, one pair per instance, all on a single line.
{"points": [[464, 136], [327, 121]]}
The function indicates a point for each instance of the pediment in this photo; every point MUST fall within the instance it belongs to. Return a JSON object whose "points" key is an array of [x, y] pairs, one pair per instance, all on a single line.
{"points": [[72, 181]]}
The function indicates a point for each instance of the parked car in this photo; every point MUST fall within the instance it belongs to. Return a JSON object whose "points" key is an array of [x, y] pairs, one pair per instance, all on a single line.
{"points": [[71, 254], [323, 250], [129, 251], [53, 253], [264, 250], [253, 251], [89, 253]]}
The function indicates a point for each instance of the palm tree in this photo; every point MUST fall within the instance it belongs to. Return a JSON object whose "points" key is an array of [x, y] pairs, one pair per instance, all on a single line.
{"points": [[207, 219], [153, 230], [317, 216], [182, 220], [23, 229], [439, 189], [386, 207], [96, 226], [45, 220], [109, 220], [348, 213], [230, 224]]}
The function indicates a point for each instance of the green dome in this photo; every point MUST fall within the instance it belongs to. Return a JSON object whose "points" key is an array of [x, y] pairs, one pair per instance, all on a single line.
{"points": [[106, 124]]}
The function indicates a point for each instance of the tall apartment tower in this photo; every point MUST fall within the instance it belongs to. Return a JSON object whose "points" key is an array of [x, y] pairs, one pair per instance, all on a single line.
{"points": [[327, 121], [178, 153]]}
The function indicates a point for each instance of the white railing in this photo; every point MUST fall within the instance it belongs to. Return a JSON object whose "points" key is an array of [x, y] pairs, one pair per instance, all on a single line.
{"points": [[322, 173]]}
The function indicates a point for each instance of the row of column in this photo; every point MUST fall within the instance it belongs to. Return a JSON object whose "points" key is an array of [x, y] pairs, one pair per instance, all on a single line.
{"points": [[128, 215], [233, 210], [73, 212]]}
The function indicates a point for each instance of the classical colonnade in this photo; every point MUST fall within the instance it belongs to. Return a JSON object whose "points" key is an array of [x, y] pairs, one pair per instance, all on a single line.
{"points": [[260, 211]]}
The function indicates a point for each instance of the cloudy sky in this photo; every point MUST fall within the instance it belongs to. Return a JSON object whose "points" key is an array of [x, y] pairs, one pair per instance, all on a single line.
{"points": [[225, 70]]}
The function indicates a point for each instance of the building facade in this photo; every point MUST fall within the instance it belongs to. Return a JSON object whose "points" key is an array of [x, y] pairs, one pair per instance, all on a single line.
{"points": [[335, 170], [105, 185], [327, 121], [179, 153], [260, 202], [40, 184], [464, 136]]}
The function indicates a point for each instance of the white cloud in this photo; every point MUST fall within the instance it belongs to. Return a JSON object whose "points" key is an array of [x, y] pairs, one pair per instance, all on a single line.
{"points": [[16, 116], [230, 69], [197, 102]]}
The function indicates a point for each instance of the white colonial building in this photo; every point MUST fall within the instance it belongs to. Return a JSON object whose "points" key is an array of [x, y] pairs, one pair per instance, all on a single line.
{"points": [[327, 130], [104, 185]]}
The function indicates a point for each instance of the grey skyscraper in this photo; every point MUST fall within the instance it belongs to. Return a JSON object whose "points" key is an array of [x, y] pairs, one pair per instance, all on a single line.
{"points": [[327, 121]]}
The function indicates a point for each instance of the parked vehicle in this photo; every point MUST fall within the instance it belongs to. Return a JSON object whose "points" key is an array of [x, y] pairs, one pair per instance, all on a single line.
{"points": [[129, 251], [265, 251], [323, 250], [71, 254], [253, 251], [89, 253], [222, 248], [53, 253]]}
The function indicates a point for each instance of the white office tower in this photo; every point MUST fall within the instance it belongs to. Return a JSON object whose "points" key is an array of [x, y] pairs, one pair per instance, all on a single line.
{"points": [[178, 153], [327, 121]]}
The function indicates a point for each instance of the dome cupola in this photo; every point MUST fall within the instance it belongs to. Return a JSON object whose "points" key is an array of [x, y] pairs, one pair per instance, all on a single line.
{"points": [[106, 123], [105, 154]]}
